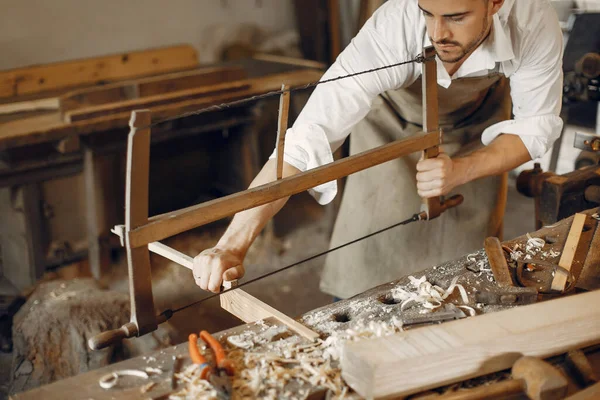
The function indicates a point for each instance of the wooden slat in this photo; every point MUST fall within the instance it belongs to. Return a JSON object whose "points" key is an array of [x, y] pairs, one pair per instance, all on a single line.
{"points": [[163, 226], [429, 357], [144, 87], [51, 127], [155, 101], [41, 78], [28, 106], [249, 309], [136, 214], [568, 254], [430, 119], [282, 125]]}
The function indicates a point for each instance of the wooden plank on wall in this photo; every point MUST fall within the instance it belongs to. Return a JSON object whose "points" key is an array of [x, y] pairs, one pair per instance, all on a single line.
{"points": [[143, 87], [42, 78], [434, 356]]}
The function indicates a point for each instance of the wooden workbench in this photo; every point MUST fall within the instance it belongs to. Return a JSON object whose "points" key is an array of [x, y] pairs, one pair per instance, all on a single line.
{"points": [[41, 145], [374, 305]]}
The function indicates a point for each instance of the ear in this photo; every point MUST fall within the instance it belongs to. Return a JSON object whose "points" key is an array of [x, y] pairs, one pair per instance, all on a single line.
{"points": [[494, 6]]}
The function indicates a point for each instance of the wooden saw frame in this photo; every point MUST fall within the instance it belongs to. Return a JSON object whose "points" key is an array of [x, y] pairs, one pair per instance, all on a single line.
{"points": [[141, 234]]}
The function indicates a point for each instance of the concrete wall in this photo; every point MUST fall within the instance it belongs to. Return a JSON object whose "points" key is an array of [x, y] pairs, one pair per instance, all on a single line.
{"points": [[42, 31]]}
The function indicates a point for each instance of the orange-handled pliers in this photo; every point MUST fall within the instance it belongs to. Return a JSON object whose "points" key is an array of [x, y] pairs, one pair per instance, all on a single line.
{"points": [[221, 376]]}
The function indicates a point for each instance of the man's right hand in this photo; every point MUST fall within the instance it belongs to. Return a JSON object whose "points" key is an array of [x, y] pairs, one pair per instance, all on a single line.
{"points": [[213, 266]]}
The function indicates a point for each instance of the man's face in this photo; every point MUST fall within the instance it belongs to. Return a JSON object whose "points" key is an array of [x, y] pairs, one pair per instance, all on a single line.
{"points": [[456, 27]]}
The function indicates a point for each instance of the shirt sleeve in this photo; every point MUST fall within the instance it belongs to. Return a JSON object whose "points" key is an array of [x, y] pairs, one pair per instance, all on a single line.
{"points": [[536, 88], [336, 107]]}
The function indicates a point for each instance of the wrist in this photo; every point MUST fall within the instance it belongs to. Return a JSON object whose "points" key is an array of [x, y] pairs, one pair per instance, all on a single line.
{"points": [[463, 171]]}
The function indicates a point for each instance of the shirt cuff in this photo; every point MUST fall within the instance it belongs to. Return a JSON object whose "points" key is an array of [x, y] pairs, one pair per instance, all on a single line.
{"points": [[307, 147], [537, 133]]}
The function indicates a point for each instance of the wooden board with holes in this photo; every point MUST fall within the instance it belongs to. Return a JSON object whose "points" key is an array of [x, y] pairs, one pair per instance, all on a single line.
{"points": [[153, 86], [42, 78], [51, 127]]}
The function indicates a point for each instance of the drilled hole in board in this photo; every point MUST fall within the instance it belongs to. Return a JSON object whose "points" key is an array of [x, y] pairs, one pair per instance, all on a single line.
{"points": [[551, 239], [342, 317]]}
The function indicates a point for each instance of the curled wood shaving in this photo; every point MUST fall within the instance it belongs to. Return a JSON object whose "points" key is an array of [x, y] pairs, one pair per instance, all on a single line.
{"points": [[427, 295]]}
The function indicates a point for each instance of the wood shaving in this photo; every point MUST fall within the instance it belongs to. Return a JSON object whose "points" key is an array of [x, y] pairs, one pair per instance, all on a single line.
{"points": [[289, 367], [427, 295]]}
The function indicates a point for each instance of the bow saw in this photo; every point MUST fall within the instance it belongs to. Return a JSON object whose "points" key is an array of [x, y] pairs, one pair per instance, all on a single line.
{"points": [[141, 234]]}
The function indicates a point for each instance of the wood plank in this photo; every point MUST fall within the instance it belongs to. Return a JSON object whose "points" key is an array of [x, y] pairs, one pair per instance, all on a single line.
{"points": [[154, 101], [151, 86], [28, 106], [41, 78], [250, 309], [51, 127], [590, 393], [166, 225], [282, 126], [430, 357], [568, 254], [136, 214]]}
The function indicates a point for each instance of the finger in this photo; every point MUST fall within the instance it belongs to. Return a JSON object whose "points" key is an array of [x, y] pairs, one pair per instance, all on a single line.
{"points": [[436, 184], [429, 164], [427, 194], [234, 273], [427, 176], [216, 278], [205, 272]]}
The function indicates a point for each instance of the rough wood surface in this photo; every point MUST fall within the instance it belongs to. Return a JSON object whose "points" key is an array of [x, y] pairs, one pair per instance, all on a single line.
{"points": [[402, 364], [41, 78]]}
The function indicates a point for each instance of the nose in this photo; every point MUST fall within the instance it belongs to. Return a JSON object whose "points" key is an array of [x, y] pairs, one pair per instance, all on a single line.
{"points": [[440, 30]]}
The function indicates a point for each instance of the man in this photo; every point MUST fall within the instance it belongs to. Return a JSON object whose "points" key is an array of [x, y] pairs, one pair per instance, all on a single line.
{"points": [[489, 52]]}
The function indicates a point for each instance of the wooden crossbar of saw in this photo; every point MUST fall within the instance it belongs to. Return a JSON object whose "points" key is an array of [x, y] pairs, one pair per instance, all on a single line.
{"points": [[142, 234]]}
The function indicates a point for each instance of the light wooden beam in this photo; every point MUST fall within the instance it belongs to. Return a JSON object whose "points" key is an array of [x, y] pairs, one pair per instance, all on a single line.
{"points": [[568, 254], [166, 225], [250, 309], [429, 357]]}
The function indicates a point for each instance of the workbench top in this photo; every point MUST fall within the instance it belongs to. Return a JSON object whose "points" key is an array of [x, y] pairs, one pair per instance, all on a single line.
{"points": [[373, 313]]}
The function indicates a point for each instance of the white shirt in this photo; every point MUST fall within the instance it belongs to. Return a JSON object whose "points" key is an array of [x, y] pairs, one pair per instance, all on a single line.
{"points": [[525, 42]]}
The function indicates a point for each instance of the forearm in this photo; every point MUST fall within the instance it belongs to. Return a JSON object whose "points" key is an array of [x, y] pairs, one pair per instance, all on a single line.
{"points": [[246, 225], [505, 153]]}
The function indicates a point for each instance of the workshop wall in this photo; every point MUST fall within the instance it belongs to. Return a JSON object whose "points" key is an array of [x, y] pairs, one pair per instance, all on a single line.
{"points": [[39, 31]]}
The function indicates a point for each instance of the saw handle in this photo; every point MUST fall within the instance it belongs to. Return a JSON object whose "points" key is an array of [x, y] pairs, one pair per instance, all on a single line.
{"points": [[109, 338], [452, 202], [439, 209], [127, 331]]}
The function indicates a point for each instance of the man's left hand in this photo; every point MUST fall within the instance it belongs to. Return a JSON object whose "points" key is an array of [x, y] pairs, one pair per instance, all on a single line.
{"points": [[437, 176]]}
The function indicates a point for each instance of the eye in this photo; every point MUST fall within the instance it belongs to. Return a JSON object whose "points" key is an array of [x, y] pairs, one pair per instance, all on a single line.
{"points": [[457, 19]]}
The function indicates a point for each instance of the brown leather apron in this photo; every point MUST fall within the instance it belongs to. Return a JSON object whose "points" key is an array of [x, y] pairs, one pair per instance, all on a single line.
{"points": [[387, 194]]}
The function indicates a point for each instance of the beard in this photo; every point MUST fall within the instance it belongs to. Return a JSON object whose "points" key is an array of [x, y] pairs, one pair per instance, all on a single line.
{"points": [[462, 50]]}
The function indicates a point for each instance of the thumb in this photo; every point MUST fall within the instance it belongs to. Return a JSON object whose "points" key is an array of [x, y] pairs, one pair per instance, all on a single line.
{"points": [[236, 272]]}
